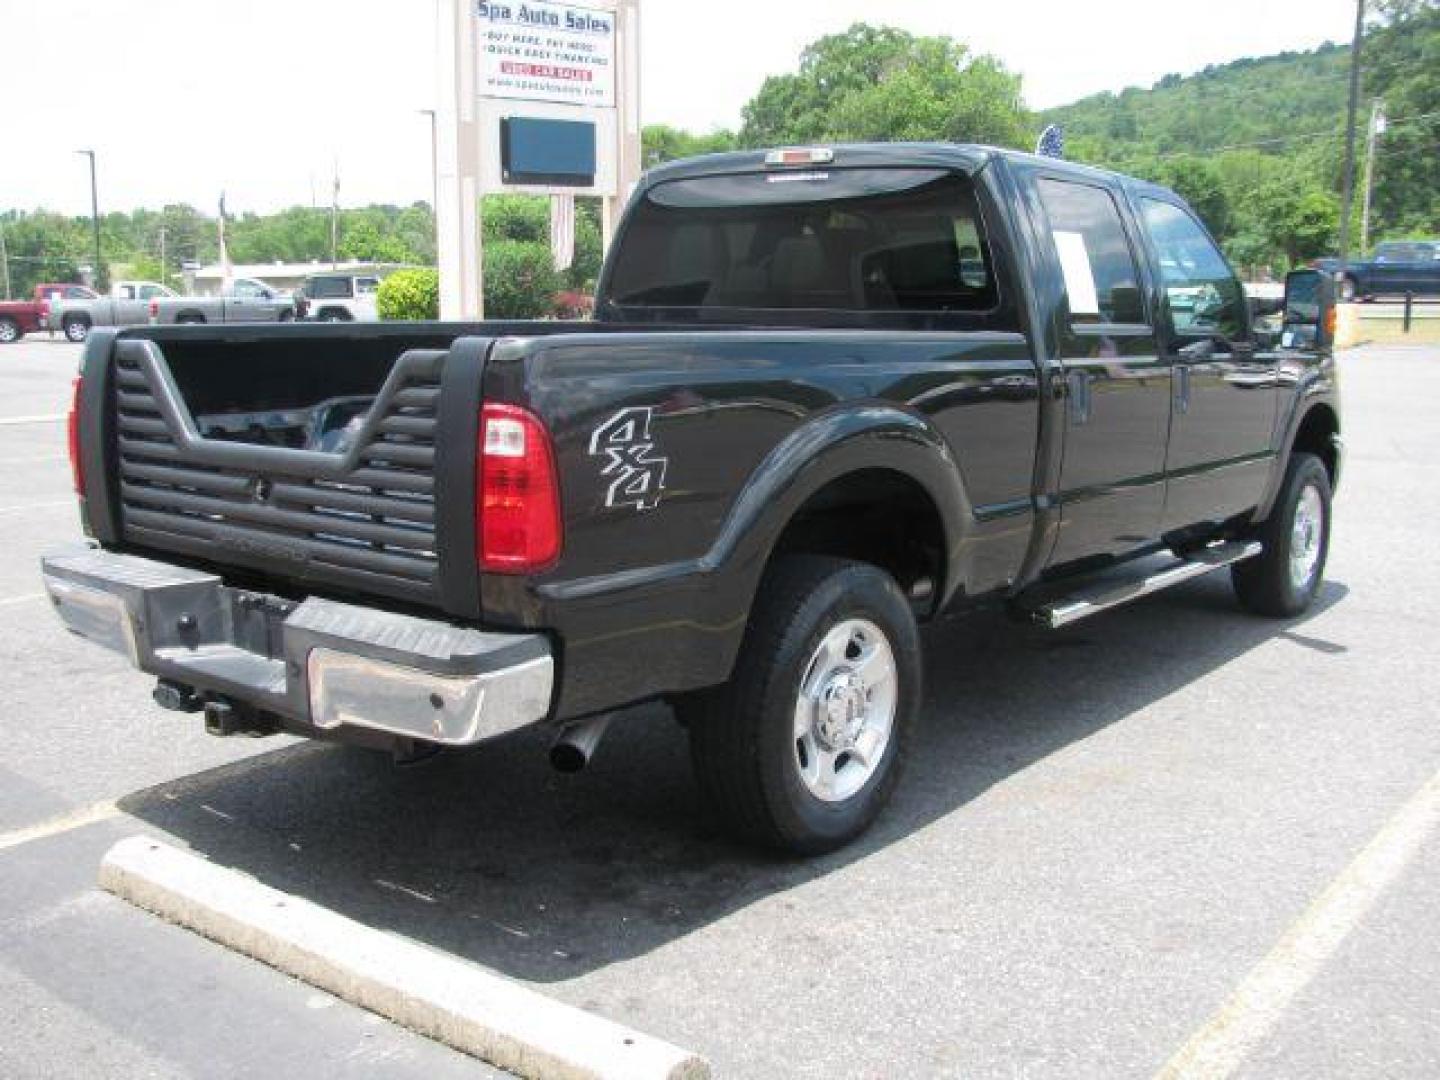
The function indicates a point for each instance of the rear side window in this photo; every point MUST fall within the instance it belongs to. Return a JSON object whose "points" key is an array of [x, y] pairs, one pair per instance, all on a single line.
{"points": [[1203, 294], [1101, 281], [328, 288], [849, 241], [1395, 253]]}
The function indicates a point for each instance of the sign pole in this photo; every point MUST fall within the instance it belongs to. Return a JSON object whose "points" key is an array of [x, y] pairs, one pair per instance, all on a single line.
{"points": [[627, 127], [457, 186]]}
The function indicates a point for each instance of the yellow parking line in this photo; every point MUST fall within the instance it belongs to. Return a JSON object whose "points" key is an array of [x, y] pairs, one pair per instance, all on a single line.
{"points": [[1253, 1010], [76, 819], [18, 507], [27, 598]]}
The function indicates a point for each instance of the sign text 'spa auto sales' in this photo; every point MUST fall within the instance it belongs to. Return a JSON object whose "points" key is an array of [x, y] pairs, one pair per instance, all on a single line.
{"points": [[547, 52]]}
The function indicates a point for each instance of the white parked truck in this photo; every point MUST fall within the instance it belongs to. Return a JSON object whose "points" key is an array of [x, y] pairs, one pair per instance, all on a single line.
{"points": [[137, 303]]}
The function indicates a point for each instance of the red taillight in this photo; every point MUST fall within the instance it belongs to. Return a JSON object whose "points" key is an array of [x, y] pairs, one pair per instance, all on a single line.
{"points": [[154, 309], [517, 497], [72, 438]]}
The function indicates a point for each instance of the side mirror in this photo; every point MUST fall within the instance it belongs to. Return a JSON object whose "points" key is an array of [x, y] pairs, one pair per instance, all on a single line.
{"points": [[1309, 310]]}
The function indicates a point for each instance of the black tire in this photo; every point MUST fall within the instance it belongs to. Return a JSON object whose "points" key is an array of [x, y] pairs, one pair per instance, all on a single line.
{"points": [[76, 329], [1271, 583], [190, 318], [10, 331], [1349, 291], [743, 741]]}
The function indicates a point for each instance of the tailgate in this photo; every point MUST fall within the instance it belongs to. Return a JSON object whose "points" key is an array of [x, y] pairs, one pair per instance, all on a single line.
{"points": [[304, 459]]}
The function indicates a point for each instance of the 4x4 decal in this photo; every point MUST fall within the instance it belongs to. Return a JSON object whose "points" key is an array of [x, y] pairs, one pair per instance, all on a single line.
{"points": [[635, 470]]}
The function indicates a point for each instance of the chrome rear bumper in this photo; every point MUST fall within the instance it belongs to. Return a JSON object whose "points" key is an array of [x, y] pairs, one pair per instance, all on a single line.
{"points": [[318, 663]]}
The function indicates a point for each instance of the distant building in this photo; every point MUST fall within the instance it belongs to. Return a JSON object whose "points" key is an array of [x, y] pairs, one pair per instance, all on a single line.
{"points": [[209, 280]]}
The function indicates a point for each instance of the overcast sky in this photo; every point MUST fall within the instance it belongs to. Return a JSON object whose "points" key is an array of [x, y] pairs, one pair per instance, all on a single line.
{"points": [[181, 98]]}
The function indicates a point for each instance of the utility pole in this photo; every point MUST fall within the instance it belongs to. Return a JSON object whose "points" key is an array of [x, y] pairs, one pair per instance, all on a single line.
{"points": [[5, 261], [1347, 200], [1377, 128], [94, 212], [335, 221]]}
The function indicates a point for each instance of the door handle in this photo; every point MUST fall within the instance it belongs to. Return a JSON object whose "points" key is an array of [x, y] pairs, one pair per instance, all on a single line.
{"points": [[1182, 389], [1081, 399]]}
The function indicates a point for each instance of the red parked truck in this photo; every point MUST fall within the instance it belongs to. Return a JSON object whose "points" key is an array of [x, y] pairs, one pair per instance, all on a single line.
{"points": [[21, 317]]}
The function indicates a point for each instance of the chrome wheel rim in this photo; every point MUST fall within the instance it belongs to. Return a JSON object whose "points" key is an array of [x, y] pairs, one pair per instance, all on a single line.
{"points": [[75, 331], [8, 332], [845, 710], [1307, 533]]}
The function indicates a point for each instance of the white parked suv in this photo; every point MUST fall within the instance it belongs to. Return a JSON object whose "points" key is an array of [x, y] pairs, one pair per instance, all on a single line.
{"points": [[340, 297]]}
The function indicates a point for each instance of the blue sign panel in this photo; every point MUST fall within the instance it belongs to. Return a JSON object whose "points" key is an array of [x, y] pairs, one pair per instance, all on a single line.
{"points": [[552, 153]]}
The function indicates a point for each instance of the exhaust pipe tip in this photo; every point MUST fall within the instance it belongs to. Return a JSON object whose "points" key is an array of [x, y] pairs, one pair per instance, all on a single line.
{"points": [[575, 745], [567, 758]]}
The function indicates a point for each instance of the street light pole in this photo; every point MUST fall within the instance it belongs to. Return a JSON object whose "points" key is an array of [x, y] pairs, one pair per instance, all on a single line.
{"points": [[94, 211]]}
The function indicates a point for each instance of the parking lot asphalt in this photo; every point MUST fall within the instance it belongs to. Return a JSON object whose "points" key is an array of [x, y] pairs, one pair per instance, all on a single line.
{"points": [[1102, 833]]}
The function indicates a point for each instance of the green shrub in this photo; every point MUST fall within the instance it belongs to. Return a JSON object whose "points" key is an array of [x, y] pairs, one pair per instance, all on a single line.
{"points": [[520, 280], [410, 295]]}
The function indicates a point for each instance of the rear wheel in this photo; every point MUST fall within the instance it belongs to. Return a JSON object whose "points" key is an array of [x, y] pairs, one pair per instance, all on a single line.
{"points": [[1348, 290], [76, 328], [190, 318], [9, 331], [1285, 577], [802, 748]]}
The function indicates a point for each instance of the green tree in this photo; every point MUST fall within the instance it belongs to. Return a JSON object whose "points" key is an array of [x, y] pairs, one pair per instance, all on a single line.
{"points": [[661, 143], [1402, 68], [1300, 224], [524, 219], [879, 83]]}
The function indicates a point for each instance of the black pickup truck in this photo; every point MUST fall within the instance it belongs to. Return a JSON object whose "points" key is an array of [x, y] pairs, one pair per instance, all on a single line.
{"points": [[829, 394], [1399, 268]]}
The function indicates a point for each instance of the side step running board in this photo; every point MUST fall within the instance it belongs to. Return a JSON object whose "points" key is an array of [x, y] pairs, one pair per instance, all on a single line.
{"points": [[1101, 597]]}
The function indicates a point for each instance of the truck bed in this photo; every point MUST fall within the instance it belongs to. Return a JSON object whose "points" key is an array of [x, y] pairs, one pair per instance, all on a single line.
{"points": [[308, 457]]}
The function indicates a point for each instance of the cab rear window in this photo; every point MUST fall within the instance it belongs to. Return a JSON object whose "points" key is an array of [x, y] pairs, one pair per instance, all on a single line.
{"points": [[832, 240]]}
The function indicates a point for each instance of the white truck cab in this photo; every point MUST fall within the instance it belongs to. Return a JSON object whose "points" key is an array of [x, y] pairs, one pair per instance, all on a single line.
{"points": [[341, 297]]}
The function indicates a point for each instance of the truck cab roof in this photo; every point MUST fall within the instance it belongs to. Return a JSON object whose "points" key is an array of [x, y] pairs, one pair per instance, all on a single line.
{"points": [[968, 158]]}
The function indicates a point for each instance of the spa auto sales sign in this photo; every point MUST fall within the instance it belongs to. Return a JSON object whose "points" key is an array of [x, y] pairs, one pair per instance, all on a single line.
{"points": [[546, 52]]}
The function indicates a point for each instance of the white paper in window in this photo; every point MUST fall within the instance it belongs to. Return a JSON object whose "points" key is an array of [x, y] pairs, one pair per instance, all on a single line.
{"points": [[1079, 278]]}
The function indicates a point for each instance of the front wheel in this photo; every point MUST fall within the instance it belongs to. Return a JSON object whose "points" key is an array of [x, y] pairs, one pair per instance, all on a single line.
{"points": [[1283, 580], [801, 750], [76, 330], [9, 331]]}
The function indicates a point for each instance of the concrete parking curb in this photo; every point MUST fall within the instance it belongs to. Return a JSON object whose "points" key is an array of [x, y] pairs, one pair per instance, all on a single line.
{"points": [[425, 990]]}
